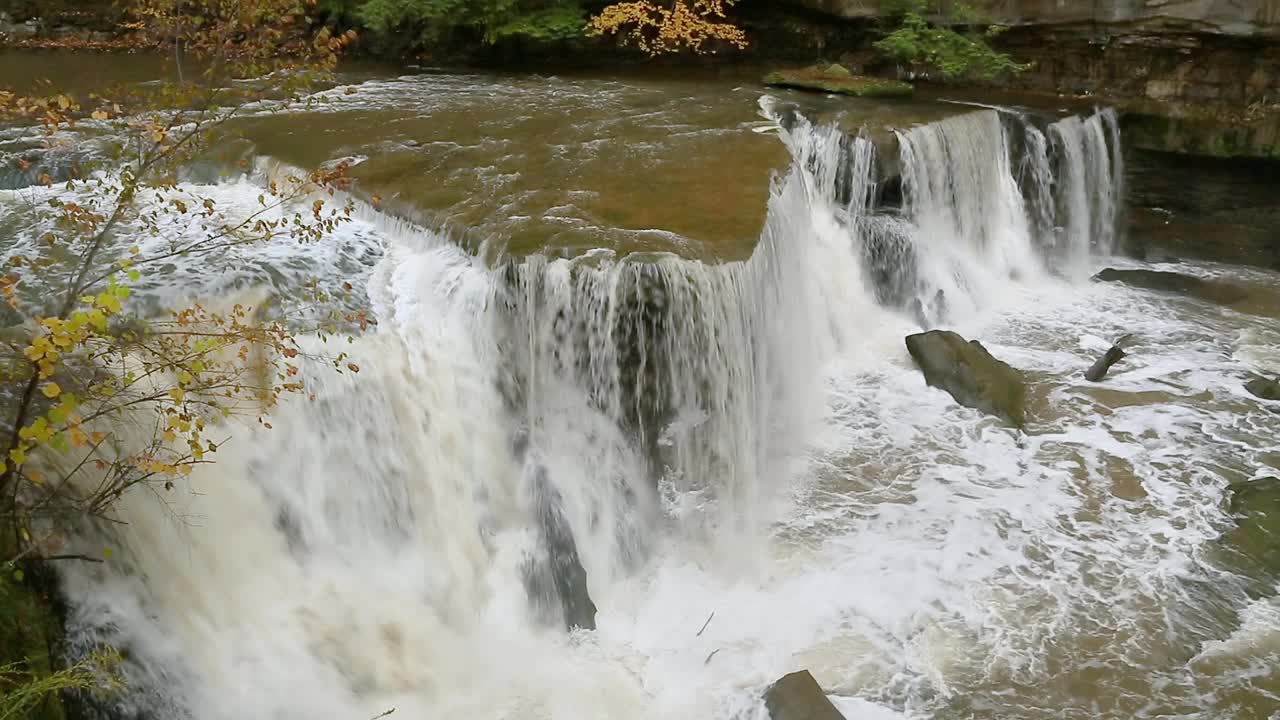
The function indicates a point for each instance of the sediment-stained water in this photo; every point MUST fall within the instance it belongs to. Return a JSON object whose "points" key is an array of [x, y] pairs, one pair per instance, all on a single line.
{"points": [[660, 324]]}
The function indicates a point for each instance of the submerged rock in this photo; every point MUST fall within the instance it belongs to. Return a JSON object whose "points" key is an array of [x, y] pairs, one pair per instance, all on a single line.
{"points": [[1267, 389], [1255, 541], [554, 577], [799, 697], [837, 79], [970, 373], [1215, 291]]}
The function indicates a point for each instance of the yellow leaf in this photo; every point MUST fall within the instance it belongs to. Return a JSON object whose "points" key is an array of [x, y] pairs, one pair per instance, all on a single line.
{"points": [[19, 456], [51, 390], [108, 302]]}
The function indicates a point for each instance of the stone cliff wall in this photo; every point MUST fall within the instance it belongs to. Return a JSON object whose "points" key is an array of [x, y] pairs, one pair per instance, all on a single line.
{"points": [[1192, 76], [1227, 17]]}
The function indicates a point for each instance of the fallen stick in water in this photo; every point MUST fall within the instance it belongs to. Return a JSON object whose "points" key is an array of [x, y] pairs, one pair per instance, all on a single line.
{"points": [[1104, 363], [705, 624]]}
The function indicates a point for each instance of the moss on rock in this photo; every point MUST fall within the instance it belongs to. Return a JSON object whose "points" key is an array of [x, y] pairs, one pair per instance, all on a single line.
{"points": [[837, 79], [1254, 543], [1265, 388]]}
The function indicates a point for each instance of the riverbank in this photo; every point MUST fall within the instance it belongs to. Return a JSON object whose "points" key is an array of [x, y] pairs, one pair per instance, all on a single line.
{"points": [[1191, 84]]}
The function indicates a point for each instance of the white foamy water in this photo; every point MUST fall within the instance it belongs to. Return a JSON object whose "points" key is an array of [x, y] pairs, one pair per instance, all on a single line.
{"points": [[743, 465]]}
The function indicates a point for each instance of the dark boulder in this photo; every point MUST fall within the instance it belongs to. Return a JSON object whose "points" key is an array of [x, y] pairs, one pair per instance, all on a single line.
{"points": [[1267, 389], [1254, 543], [1214, 291], [799, 697], [554, 576], [970, 374]]}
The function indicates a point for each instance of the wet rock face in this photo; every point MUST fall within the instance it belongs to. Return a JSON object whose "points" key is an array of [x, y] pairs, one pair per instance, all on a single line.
{"points": [[1227, 17], [554, 577], [1202, 208], [1193, 77], [1265, 388], [1255, 541], [1222, 293], [970, 374], [799, 697]]}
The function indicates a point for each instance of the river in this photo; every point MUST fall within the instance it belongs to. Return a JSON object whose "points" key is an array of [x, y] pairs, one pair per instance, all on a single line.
{"points": [[663, 317]]}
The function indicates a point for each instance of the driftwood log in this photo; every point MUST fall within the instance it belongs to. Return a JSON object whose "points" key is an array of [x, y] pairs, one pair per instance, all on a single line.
{"points": [[1114, 355]]}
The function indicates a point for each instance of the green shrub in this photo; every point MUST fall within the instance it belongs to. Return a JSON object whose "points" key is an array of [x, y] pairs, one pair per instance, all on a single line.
{"points": [[493, 20], [916, 42]]}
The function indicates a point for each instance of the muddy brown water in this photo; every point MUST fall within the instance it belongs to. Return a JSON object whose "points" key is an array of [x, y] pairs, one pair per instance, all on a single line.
{"points": [[1103, 489]]}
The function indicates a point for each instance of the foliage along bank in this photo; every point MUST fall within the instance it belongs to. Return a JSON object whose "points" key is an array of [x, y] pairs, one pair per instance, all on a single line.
{"points": [[102, 396]]}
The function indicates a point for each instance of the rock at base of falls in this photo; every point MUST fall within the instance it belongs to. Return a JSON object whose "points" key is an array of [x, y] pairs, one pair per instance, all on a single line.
{"points": [[970, 374], [554, 576], [1254, 543], [1267, 389], [1214, 291], [798, 696]]}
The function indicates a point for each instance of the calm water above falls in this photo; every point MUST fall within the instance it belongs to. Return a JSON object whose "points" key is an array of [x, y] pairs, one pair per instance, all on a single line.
{"points": [[746, 438]]}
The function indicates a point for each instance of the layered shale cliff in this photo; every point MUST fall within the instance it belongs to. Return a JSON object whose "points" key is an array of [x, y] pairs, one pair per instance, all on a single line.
{"points": [[1199, 77]]}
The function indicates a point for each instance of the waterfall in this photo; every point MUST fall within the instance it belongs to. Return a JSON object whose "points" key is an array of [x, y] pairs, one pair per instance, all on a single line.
{"points": [[522, 439], [1092, 182]]}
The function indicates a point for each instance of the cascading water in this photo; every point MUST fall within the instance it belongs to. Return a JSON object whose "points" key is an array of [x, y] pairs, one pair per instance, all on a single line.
{"points": [[1092, 184], [635, 444]]}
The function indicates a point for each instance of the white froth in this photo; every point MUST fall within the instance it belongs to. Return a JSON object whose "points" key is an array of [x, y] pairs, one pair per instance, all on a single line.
{"points": [[818, 505]]}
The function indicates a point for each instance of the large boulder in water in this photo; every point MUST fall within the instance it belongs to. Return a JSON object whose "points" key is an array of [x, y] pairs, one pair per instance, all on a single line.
{"points": [[1264, 388], [799, 697], [1255, 541], [970, 373], [835, 78], [1214, 291]]}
